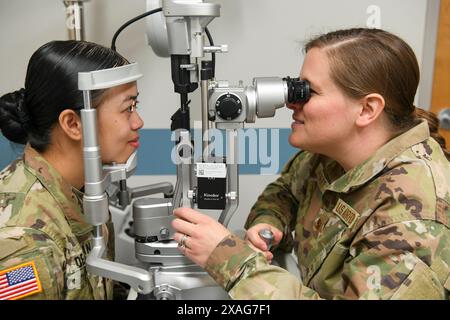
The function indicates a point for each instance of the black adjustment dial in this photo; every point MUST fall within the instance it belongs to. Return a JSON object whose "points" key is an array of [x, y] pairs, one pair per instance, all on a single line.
{"points": [[228, 106]]}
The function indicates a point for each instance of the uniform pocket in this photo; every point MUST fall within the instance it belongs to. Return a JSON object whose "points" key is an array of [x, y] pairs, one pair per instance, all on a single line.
{"points": [[421, 284], [11, 246], [329, 275], [321, 245]]}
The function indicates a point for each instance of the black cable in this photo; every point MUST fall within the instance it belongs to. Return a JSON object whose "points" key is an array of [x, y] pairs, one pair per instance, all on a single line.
{"points": [[126, 24], [213, 54]]}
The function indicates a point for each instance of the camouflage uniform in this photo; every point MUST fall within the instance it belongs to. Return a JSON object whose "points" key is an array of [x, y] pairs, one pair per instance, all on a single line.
{"points": [[378, 231], [41, 220]]}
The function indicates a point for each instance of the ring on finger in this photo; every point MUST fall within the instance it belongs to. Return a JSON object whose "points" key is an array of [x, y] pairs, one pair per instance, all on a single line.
{"points": [[183, 240]]}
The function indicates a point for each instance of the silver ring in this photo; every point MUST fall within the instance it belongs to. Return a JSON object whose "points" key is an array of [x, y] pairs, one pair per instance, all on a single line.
{"points": [[183, 240]]}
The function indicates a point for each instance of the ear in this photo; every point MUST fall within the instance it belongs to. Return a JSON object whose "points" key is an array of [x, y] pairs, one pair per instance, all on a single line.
{"points": [[70, 123], [372, 107]]}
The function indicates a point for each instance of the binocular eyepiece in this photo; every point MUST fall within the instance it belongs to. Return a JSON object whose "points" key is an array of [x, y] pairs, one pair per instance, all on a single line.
{"points": [[237, 104], [297, 90]]}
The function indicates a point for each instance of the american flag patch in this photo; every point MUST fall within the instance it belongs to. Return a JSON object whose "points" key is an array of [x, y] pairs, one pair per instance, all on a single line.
{"points": [[19, 281]]}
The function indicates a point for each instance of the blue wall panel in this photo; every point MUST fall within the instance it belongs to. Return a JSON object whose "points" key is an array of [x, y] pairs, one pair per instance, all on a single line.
{"points": [[154, 155]]}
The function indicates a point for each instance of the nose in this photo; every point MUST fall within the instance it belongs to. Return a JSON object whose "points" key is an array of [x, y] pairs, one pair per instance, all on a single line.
{"points": [[294, 106], [136, 121]]}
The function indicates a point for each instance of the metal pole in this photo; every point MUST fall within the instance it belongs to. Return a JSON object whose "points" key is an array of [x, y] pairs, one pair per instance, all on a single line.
{"points": [[205, 120], [232, 178], [75, 19]]}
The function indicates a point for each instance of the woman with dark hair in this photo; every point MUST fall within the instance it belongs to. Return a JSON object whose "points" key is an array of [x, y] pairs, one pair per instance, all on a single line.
{"points": [[44, 237], [367, 198]]}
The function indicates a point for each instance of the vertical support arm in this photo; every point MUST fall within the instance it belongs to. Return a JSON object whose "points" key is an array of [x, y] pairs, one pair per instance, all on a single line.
{"points": [[232, 178], [95, 200]]}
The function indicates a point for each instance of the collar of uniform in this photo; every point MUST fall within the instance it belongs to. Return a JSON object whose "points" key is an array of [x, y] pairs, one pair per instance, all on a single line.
{"points": [[376, 163], [65, 195]]}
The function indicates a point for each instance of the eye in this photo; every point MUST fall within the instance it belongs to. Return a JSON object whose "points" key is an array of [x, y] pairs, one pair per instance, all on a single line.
{"points": [[133, 107]]}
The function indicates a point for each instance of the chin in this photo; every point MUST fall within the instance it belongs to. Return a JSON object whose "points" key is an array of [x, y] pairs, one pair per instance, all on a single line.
{"points": [[124, 158], [118, 160], [295, 142], [121, 160], [121, 157]]}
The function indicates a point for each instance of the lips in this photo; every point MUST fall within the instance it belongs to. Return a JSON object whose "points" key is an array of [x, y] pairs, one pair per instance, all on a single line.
{"points": [[298, 120], [298, 123], [134, 143]]}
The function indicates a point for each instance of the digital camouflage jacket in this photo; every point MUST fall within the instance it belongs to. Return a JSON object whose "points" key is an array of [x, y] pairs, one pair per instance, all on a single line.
{"points": [[44, 238], [378, 231]]}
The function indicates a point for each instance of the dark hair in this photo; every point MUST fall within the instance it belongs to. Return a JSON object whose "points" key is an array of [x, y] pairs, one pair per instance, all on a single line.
{"points": [[51, 86], [364, 61]]}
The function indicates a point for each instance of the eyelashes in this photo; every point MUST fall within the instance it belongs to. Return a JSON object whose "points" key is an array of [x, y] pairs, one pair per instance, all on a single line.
{"points": [[133, 107]]}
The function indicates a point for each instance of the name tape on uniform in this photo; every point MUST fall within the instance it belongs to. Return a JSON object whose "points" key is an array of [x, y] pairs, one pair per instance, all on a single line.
{"points": [[346, 213]]}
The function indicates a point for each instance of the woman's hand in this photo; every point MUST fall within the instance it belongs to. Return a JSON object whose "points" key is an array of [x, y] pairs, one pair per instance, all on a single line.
{"points": [[200, 233], [253, 238]]}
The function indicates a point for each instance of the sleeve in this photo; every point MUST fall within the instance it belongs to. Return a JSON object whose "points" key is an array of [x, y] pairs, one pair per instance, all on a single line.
{"points": [[278, 205], [245, 274], [30, 265], [393, 262]]}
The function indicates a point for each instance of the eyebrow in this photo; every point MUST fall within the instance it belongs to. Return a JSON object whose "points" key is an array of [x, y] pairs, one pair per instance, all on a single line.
{"points": [[128, 98], [313, 84]]}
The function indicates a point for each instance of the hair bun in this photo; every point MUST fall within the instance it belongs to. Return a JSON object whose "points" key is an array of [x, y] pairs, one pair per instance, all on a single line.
{"points": [[14, 119], [21, 109]]}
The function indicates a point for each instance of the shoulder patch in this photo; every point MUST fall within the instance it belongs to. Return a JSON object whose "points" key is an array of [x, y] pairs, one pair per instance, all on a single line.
{"points": [[346, 213], [19, 281]]}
